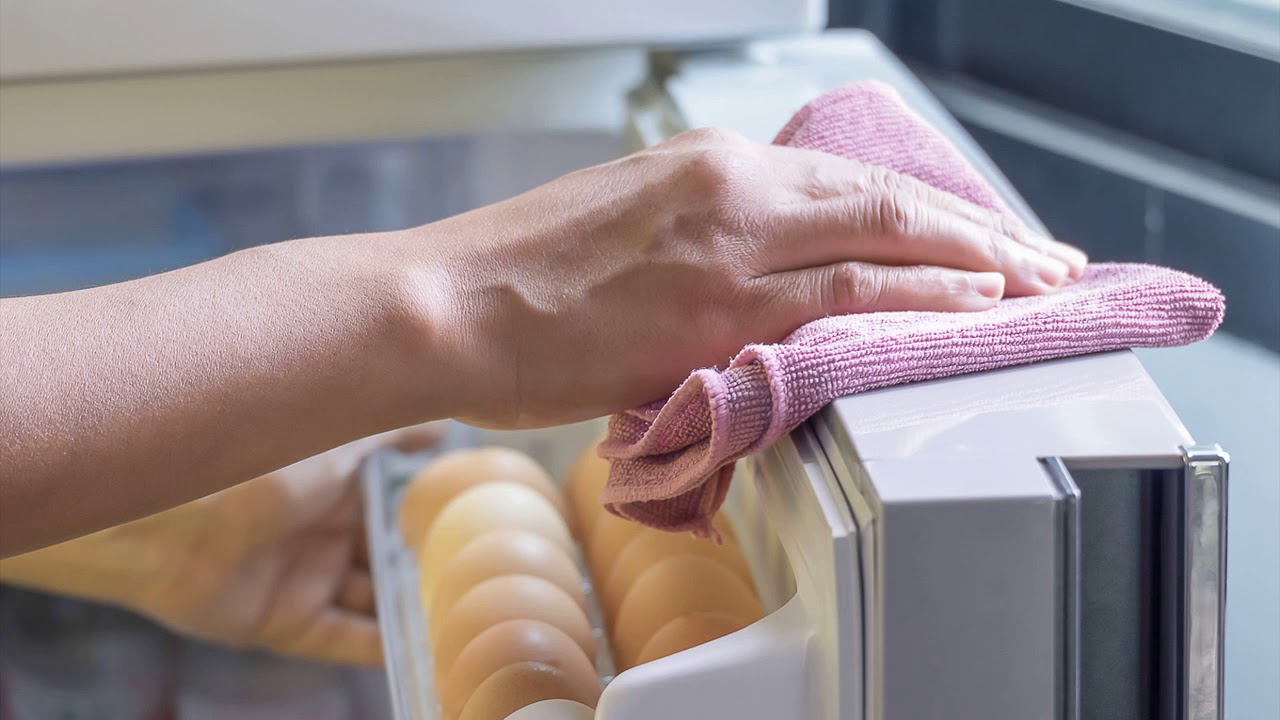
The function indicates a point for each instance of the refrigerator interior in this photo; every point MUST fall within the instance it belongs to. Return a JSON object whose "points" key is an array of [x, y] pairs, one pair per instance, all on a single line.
{"points": [[69, 226], [63, 658]]}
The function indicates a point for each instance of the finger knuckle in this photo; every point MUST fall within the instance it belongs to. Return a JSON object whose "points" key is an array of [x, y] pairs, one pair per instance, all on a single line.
{"points": [[995, 251], [881, 181], [892, 215], [1002, 224], [850, 288], [889, 201], [711, 169], [710, 136], [719, 188]]}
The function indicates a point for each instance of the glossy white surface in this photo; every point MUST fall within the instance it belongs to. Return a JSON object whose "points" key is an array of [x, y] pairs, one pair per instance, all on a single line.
{"points": [[761, 672], [950, 479], [1092, 407], [967, 587], [41, 38]]}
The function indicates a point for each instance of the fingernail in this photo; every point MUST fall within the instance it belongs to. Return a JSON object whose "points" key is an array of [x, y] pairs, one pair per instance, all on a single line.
{"points": [[1051, 272], [988, 284]]}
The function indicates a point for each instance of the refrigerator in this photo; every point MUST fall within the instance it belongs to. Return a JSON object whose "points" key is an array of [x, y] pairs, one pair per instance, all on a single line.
{"points": [[1044, 541]]}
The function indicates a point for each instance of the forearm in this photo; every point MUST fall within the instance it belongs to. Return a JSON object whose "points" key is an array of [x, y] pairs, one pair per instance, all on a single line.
{"points": [[123, 400]]}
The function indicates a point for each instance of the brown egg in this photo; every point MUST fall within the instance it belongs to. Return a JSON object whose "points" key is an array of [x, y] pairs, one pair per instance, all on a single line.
{"points": [[583, 483], [505, 551], [650, 547], [609, 536], [678, 586], [509, 597], [483, 508], [688, 631], [522, 684], [506, 643], [454, 472]]}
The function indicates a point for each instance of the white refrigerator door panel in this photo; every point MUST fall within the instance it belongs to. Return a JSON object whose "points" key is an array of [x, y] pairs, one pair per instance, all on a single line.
{"points": [[1070, 408]]}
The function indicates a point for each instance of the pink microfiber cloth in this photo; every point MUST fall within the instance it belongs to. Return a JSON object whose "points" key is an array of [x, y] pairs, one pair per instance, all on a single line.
{"points": [[671, 462]]}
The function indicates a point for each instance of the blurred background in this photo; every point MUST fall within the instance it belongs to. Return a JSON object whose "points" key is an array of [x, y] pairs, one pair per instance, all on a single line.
{"points": [[1143, 130], [63, 659]]}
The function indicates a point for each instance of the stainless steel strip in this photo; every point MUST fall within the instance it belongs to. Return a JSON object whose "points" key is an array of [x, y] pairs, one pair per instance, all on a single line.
{"points": [[1205, 580], [1069, 573]]}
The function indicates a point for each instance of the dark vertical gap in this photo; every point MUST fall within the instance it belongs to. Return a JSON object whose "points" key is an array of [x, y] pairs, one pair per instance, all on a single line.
{"points": [[1132, 639], [1169, 648], [1152, 596], [1114, 582]]}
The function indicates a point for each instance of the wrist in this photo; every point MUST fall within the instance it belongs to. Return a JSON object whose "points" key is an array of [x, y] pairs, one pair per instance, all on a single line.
{"points": [[349, 333], [427, 365]]}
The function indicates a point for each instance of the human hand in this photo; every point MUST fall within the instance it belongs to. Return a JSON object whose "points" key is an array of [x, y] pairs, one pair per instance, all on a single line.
{"points": [[278, 562], [603, 289]]}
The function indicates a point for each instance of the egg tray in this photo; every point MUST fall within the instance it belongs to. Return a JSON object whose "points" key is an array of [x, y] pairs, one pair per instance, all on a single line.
{"points": [[401, 618]]}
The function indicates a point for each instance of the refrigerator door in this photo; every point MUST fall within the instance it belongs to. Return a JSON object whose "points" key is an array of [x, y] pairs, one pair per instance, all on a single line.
{"points": [[1041, 541]]}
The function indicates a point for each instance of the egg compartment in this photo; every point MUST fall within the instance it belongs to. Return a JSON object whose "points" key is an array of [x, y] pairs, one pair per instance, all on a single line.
{"points": [[403, 623], [767, 670]]}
